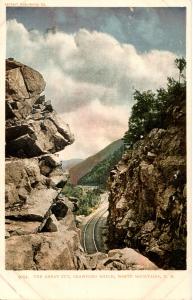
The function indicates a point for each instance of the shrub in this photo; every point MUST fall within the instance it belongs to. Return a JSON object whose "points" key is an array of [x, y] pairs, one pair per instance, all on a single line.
{"points": [[150, 109]]}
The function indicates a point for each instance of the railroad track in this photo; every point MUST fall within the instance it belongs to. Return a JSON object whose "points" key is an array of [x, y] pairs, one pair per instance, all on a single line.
{"points": [[89, 236]]}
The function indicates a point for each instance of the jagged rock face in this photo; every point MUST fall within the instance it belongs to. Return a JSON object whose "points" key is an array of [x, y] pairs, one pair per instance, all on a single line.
{"points": [[120, 259], [42, 242], [25, 183], [41, 232], [116, 259], [43, 251], [36, 135], [147, 203], [40, 226], [32, 127], [23, 87]]}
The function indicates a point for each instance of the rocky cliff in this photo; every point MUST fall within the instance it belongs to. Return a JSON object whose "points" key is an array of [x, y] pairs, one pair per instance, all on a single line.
{"points": [[147, 203], [40, 226], [41, 231]]}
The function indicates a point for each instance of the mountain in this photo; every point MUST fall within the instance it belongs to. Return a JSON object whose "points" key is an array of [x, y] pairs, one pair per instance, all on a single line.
{"points": [[100, 173], [88, 164], [68, 164]]}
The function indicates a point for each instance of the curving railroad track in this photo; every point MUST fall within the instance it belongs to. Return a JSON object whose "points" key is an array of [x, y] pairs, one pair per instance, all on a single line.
{"points": [[92, 241]]}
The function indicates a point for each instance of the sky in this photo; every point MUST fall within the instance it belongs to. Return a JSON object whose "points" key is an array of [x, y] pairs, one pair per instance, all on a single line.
{"points": [[93, 59]]}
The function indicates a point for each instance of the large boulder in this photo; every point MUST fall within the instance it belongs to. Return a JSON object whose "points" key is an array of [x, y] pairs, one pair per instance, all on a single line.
{"points": [[120, 259], [21, 176], [15, 227], [42, 251], [37, 136], [35, 207], [32, 126], [23, 87]]}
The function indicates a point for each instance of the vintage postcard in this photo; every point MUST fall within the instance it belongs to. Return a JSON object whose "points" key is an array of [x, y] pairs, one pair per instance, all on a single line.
{"points": [[95, 150]]}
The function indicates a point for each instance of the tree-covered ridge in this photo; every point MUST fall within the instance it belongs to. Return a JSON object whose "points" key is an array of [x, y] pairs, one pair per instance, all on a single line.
{"points": [[84, 167], [150, 109], [87, 198], [100, 173]]}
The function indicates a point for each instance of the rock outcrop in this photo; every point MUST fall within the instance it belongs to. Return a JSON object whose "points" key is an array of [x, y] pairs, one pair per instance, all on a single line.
{"points": [[40, 225], [41, 231], [120, 259], [147, 203], [32, 127]]}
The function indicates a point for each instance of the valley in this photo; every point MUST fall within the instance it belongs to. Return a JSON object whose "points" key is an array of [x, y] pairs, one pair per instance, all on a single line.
{"points": [[123, 208]]}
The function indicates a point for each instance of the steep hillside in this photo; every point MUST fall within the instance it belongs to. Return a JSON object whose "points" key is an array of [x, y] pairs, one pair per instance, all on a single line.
{"points": [[99, 174], [86, 166], [147, 203]]}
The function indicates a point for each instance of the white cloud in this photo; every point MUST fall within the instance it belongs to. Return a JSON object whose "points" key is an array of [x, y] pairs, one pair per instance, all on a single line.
{"points": [[89, 77], [95, 126]]}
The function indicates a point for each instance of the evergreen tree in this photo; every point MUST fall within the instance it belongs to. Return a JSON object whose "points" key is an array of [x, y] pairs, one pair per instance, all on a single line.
{"points": [[181, 64], [150, 108]]}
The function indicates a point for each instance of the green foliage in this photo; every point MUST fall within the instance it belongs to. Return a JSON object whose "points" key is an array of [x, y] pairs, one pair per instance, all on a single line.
{"points": [[150, 109], [100, 173], [87, 198], [88, 201], [71, 191], [180, 64]]}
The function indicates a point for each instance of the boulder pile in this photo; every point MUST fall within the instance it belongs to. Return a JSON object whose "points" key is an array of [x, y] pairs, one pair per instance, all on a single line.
{"points": [[40, 226]]}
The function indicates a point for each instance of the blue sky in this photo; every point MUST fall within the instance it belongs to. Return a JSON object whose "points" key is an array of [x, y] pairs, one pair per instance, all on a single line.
{"points": [[95, 60], [145, 28]]}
